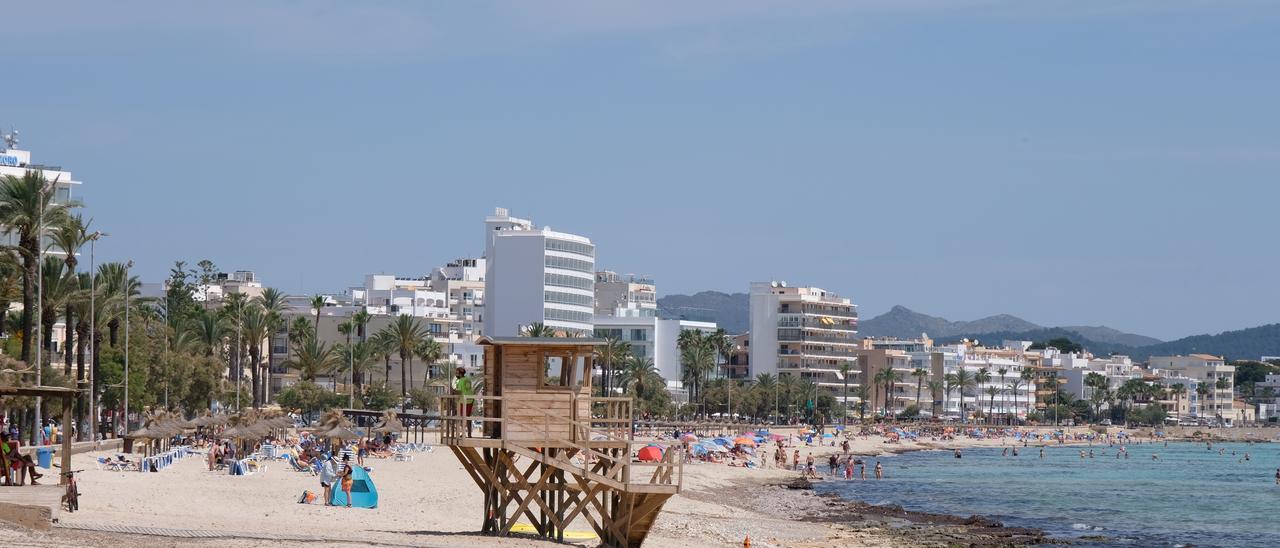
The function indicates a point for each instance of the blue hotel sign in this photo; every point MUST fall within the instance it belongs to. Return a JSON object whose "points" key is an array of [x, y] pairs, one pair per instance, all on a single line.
{"points": [[8, 160]]}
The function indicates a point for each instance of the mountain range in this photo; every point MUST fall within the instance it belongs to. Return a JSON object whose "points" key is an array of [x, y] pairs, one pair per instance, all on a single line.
{"points": [[732, 312]]}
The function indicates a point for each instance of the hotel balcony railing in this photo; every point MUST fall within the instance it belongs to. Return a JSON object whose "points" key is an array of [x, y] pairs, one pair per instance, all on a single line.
{"points": [[790, 336], [797, 324]]}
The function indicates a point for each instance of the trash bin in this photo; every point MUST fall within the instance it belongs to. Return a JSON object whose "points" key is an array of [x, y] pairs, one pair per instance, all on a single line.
{"points": [[44, 456]]}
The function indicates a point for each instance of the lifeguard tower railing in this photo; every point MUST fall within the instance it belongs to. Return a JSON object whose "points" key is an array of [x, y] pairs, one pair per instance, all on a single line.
{"points": [[603, 439]]}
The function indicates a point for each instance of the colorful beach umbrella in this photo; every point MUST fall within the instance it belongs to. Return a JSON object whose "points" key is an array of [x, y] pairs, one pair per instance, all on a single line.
{"points": [[651, 453], [721, 441], [689, 437], [744, 441]]}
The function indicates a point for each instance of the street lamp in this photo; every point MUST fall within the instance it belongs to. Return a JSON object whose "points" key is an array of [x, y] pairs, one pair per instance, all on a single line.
{"points": [[93, 332], [46, 196], [127, 266]]}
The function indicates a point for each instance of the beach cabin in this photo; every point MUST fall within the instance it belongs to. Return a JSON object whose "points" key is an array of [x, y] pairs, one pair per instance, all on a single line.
{"points": [[545, 450]]}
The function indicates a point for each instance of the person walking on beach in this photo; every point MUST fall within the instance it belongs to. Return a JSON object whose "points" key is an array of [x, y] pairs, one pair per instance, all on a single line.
{"points": [[832, 463], [328, 473], [879, 471], [795, 459]]}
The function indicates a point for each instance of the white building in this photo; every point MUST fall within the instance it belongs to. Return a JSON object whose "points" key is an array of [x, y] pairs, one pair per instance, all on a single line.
{"points": [[625, 296], [1207, 370], [803, 331], [654, 339], [536, 275]]}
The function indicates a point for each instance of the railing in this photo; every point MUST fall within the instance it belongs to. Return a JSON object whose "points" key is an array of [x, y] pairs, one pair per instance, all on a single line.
{"points": [[607, 431]]}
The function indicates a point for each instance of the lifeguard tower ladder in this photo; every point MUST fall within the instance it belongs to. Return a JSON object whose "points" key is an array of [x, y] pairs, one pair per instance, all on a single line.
{"points": [[550, 452]]}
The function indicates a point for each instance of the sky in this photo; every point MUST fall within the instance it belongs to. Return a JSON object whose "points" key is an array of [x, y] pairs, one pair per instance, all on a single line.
{"points": [[1098, 163]]}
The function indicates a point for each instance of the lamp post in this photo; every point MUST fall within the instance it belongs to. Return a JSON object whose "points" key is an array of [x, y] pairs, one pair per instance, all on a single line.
{"points": [[46, 196], [127, 266], [239, 366], [93, 333]]}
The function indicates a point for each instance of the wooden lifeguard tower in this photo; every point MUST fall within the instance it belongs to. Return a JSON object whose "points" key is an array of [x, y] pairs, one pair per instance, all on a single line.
{"points": [[550, 452]]}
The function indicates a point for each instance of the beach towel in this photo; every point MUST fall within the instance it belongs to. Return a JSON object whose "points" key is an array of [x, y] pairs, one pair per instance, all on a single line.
{"points": [[307, 497]]}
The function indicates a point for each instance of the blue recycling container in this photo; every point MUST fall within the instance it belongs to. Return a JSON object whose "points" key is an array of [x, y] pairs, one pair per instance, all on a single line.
{"points": [[44, 456]]}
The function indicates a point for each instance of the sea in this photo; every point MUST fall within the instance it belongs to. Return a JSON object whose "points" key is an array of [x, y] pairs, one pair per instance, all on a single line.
{"points": [[1189, 496]]}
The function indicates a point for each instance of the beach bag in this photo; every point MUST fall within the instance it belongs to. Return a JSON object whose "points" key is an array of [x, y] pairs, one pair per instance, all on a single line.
{"points": [[307, 497]]}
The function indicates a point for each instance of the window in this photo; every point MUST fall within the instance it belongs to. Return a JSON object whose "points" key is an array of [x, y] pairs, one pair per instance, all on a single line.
{"points": [[564, 370], [571, 247], [564, 280], [566, 315], [553, 261], [568, 298], [638, 335]]}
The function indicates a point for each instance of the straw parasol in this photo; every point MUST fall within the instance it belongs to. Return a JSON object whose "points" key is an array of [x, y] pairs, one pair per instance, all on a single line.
{"points": [[389, 423]]}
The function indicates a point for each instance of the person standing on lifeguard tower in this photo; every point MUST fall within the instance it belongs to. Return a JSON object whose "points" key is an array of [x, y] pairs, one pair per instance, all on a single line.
{"points": [[462, 387]]}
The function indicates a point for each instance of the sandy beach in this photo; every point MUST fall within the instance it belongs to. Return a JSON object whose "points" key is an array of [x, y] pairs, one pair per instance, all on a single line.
{"points": [[431, 501]]}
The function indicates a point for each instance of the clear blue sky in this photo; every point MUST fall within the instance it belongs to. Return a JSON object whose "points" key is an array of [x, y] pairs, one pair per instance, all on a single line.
{"points": [[1069, 162]]}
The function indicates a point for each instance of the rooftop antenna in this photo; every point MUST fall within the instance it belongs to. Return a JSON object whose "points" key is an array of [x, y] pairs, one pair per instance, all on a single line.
{"points": [[10, 139]]}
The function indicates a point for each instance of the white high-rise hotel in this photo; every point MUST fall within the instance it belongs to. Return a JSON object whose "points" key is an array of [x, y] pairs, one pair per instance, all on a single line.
{"points": [[536, 275]]}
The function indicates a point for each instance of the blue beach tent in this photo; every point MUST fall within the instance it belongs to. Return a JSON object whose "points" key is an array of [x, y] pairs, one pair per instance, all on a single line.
{"points": [[363, 493]]}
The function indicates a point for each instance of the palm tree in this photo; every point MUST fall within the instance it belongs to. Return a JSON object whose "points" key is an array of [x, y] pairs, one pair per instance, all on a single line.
{"points": [[273, 302], [69, 237], [430, 352], [346, 329], [935, 387], [27, 210], [980, 378], [384, 344], [361, 318], [60, 289], [317, 304], [312, 358], [992, 391], [964, 381], [920, 374], [613, 351], [863, 393], [364, 355], [698, 360], [845, 368], [538, 330], [408, 335], [1202, 390], [768, 383], [788, 384], [233, 313], [1028, 375], [114, 286], [949, 386], [1013, 387], [722, 343], [639, 377], [1004, 405], [255, 326], [1178, 390]]}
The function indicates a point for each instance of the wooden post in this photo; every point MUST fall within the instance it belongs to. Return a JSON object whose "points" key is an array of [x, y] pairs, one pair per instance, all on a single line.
{"points": [[66, 439]]}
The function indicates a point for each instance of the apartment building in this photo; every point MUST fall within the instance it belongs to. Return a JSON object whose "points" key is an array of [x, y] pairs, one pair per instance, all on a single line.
{"points": [[1214, 375], [655, 339], [804, 331], [536, 275], [625, 296]]}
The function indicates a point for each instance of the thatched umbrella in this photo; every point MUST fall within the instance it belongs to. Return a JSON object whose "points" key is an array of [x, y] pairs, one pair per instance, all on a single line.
{"points": [[389, 423]]}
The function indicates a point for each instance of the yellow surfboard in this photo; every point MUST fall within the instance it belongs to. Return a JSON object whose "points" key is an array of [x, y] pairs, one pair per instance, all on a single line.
{"points": [[568, 535]]}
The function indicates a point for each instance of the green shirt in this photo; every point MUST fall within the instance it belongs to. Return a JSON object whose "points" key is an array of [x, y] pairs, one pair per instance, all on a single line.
{"points": [[463, 386]]}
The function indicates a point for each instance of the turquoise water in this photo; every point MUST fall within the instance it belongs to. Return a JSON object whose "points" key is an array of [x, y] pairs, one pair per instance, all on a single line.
{"points": [[1190, 496]]}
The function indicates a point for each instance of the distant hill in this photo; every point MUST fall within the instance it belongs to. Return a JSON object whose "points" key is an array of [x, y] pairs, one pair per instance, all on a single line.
{"points": [[903, 322], [732, 311], [1108, 335], [1241, 344]]}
